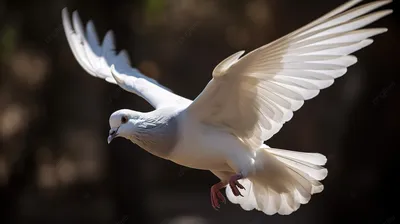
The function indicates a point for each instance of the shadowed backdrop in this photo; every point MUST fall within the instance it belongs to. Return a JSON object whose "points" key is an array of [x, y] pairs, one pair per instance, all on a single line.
{"points": [[56, 166]]}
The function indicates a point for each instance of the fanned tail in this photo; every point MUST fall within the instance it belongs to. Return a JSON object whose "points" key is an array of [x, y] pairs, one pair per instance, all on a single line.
{"points": [[284, 180]]}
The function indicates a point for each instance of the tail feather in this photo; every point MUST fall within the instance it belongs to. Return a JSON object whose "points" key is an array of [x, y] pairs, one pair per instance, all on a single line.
{"points": [[314, 171], [287, 180], [310, 158]]}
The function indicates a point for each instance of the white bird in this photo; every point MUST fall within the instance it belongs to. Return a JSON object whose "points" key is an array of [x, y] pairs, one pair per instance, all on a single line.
{"points": [[246, 102]]}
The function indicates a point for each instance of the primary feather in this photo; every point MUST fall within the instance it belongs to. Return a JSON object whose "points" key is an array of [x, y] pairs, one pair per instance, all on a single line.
{"points": [[268, 84], [101, 60]]}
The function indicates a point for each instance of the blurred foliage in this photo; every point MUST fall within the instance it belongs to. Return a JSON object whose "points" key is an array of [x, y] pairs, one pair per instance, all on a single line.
{"points": [[8, 37], [154, 8], [55, 164]]}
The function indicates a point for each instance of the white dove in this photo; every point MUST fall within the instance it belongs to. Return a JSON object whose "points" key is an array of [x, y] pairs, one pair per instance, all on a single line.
{"points": [[246, 102]]}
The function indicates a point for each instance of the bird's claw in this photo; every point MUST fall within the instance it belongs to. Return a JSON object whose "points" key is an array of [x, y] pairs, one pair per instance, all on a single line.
{"points": [[216, 197], [234, 184]]}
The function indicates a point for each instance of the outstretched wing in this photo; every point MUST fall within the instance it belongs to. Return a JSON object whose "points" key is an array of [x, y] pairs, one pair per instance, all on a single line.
{"points": [[255, 95], [102, 61]]}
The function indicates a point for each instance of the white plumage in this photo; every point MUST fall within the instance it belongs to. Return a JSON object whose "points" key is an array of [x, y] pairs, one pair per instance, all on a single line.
{"points": [[247, 101], [98, 60], [274, 80]]}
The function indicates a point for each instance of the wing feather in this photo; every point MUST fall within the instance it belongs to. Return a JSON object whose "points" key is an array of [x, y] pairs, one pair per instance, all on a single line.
{"points": [[255, 95], [102, 61]]}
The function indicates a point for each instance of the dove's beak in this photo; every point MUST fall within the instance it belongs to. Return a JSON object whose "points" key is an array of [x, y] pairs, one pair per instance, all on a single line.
{"points": [[113, 134]]}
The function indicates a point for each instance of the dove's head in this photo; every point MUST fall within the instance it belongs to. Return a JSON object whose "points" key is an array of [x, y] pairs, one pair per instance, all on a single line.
{"points": [[122, 123]]}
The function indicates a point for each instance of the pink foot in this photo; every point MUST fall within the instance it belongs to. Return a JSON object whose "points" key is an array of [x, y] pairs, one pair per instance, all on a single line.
{"points": [[216, 195], [234, 184]]}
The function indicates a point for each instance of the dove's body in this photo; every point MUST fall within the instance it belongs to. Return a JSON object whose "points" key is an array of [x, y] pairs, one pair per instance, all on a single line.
{"points": [[157, 131], [171, 134], [206, 147], [247, 101]]}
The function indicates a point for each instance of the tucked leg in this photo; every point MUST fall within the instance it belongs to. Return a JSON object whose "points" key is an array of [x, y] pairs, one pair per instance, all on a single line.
{"points": [[234, 184], [216, 195]]}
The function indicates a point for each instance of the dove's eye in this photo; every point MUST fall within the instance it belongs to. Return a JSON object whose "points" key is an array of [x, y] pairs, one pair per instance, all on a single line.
{"points": [[124, 119]]}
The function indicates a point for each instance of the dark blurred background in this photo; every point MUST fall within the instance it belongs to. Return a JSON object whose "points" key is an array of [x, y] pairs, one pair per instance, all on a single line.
{"points": [[56, 166]]}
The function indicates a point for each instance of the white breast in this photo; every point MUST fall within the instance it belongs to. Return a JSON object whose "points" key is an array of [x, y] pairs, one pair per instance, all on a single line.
{"points": [[204, 147]]}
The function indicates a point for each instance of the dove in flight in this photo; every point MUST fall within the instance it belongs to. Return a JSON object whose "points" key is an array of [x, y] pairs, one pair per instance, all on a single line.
{"points": [[246, 102]]}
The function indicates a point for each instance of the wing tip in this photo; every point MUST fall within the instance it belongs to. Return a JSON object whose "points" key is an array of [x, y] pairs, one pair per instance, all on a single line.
{"points": [[110, 35], [383, 30], [64, 11], [90, 28], [90, 23], [76, 20], [75, 13], [388, 1], [352, 60], [65, 17], [387, 11], [369, 41], [376, 31]]}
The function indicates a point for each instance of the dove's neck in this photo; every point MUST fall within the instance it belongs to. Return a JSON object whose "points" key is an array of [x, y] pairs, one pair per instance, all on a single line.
{"points": [[156, 132]]}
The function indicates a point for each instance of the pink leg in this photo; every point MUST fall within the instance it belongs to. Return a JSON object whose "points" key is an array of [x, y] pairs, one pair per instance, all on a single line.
{"points": [[234, 184], [216, 195]]}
